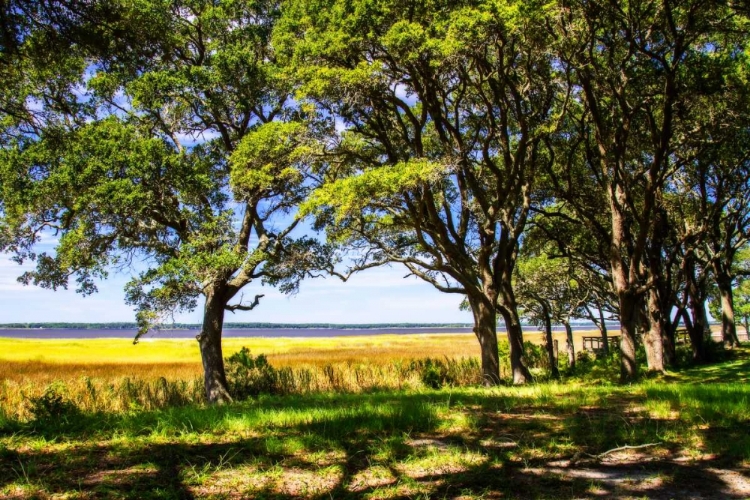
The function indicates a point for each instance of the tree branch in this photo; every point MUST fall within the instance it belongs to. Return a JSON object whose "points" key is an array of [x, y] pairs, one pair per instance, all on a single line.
{"points": [[241, 307]]}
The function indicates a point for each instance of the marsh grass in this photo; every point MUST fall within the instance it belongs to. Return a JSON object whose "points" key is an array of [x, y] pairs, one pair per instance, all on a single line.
{"points": [[113, 375], [162, 377], [112, 392]]}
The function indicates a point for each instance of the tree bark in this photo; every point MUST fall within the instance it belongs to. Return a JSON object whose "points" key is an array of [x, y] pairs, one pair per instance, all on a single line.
{"points": [[628, 325], [209, 340], [506, 304], [485, 328], [626, 296], [696, 342], [554, 370], [658, 340], [521, 374], [653, 338], [746, 322], [697, 325], [556, 352], [728, 327], [697, 331], [700, 320], [569, 346]]}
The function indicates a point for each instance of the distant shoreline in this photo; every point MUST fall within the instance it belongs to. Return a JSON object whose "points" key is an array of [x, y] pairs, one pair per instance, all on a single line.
{"points": [[230, 331], [260, 326], [229, 326]]}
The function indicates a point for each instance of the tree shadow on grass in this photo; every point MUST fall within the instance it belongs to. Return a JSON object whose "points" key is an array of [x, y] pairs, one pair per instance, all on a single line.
{"points": [[385, 445], [236, 470]]}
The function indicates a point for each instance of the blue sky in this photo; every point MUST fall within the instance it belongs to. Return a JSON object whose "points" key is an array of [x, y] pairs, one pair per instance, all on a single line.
{"points": [[379, 295], [374, 296]]}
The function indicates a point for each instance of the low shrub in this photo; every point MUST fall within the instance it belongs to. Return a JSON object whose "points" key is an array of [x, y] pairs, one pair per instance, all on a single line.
{"points": [[52, 407], [249, 376], [433, 375], [596, 368], [535, 357], [437, 373]]}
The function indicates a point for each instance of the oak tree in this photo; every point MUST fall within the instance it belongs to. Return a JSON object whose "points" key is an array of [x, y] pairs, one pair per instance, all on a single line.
{"points": [[444, 110], [180, 155]]}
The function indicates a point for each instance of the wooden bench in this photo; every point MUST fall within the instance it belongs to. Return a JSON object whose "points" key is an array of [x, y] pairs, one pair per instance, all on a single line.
{"points": [[681, 336], [596, 344]]}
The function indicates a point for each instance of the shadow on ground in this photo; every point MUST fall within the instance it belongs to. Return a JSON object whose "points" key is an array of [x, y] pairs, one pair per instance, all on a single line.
{"points": [[474, 445]]}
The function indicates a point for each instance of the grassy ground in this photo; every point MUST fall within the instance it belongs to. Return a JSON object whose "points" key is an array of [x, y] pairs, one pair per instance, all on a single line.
{"points": [[540, 441]]}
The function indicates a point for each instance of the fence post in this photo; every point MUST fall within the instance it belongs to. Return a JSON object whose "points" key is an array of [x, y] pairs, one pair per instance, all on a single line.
{"points": [[554, 350]]}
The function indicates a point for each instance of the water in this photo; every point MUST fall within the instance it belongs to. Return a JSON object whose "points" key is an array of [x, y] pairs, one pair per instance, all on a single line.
{"points": [[74, 333]]}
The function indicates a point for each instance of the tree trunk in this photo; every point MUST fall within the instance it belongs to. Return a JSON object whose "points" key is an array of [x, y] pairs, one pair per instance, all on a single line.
{"points": [[506, 302], [728, 327], [746, 322], [658, 305], [485, 328], [210, 345], [554, 371], [701, 321], [603, 328], [521, 374], [669, 325], [697, 325], [628, 300], [653, 338], [696, 340], [628, 325], [569, 346], [687, 320]]}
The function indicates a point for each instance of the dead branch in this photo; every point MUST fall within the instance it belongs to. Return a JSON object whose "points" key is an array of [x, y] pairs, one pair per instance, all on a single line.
{"points": [[242, 307], [577, 457]]}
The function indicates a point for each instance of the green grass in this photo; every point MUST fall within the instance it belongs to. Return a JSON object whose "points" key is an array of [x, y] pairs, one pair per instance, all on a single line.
{"points": [[448, 443]]}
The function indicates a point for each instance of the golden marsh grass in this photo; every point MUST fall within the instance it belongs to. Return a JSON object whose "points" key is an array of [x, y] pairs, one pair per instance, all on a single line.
{"points": [[281, 351], [115, 375]]}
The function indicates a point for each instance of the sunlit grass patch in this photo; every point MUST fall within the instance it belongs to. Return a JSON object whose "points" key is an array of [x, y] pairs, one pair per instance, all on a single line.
{"points": [[437, 458], [661, 409], [249, 480], [404, 487], [716, 402], [372, 477]]}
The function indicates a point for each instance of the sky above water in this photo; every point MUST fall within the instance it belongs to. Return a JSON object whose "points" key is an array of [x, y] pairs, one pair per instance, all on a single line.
{"points": [[375, 296]]}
